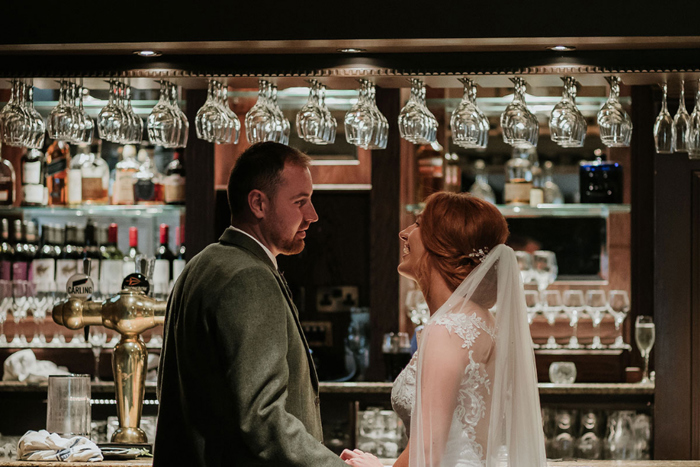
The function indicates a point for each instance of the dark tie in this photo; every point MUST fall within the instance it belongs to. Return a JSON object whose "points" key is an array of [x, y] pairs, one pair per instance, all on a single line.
{"points": [[284, 282]]}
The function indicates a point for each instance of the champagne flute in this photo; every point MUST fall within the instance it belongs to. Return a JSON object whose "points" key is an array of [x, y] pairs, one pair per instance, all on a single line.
{"points": [[619, 306], [645, 336], [573, 307]]}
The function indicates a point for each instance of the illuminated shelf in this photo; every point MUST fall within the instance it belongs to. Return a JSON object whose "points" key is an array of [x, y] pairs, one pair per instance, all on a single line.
{"points": [[550, 210], [94, 210]]}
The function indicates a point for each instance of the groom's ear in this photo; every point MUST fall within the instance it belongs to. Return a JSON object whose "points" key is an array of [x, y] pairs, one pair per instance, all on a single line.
{"points": [[258, 203]]}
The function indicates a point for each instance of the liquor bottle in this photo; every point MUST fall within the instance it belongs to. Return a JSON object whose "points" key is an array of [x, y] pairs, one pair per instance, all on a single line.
{"points": [[129, 265], [124, 171], [22, 258], [180, 250], [71, 253], [7, 183], [44, 264], [75, 176], [34, 191], [112, 266], [91, 251], [430, 171], [148, 184], [6, 252], [552, 193], [94, 177], [162, 274], [518, 178], [453, 173], [57, 159], [537, 190], [174, 181], [481, 188], [31, 241]]}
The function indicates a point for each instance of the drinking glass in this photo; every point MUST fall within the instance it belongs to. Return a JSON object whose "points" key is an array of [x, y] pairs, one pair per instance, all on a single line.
{"points": [[562, 372], [544, 265], [165, 123], [97, 338], [68, 412], [314, 121], [61, 119], [614, 123], [693, 137], [259, 121], [519, 125], [365, 125], [644, 336], [416, 123], [396, 347], [573, 307], [619, 306], [36, 127], [564, 434], [664, 129], [13, 117], [417, 307], [567, 126], [470, 127], [619, 439], [596, 306], [532, 304], [551, 306], [681, 122], [109, 120], [525, 264], [589, 445], [282, 125]]}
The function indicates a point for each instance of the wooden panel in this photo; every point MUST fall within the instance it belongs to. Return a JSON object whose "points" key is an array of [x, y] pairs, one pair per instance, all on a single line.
{"points": [[200, 195], [695, 318], [384, 228], [671, 295]]}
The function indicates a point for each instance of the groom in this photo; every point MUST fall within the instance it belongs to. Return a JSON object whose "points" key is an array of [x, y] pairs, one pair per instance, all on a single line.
{"points": [[237, 385]]}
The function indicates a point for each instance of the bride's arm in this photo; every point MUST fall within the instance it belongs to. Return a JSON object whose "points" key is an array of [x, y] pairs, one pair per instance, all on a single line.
{"points": [[402, 460]]}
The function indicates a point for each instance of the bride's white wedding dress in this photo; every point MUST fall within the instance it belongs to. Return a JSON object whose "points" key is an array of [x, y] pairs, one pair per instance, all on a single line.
{"points": [[469, 397]]}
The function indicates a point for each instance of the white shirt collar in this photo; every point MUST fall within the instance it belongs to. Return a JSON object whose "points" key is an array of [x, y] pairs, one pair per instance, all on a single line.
{"points": [[269, 253]]}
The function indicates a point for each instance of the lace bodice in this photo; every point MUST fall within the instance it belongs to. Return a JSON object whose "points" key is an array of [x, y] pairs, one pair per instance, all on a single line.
{"points": [[466, 442]]}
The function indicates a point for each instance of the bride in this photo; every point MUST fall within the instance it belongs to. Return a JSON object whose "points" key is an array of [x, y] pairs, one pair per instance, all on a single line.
{"points": [[469, 395]]}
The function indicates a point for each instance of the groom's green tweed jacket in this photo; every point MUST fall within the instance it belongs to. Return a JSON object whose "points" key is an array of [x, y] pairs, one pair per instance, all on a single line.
{"points": [[237, 385]]}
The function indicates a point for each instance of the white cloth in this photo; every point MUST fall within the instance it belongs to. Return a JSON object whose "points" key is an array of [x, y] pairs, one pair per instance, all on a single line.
{"points": [[23, 366], [472, 385], [268, 252], [44, 446]]}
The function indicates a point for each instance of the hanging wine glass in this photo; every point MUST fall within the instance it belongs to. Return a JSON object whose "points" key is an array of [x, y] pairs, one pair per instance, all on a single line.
{"points": [[567, 125], [520, 126], [681, 121], [614, 123], [664, 130], [470, 127], [416, 123]]}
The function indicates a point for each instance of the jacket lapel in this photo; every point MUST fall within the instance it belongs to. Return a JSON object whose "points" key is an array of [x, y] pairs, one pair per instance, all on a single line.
{"points": [[241, 240]]}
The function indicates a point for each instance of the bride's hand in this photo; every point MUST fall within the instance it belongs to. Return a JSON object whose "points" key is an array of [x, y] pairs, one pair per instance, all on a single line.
{"points": [[359, 458]]}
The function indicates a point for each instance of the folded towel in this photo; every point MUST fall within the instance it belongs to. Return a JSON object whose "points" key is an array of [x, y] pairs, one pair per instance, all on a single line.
{"points": [[44, 446], [23, 366]]}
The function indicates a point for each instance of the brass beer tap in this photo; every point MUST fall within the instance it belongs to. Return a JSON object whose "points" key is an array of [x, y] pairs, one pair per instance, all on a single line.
{"points": [[130, 313]]}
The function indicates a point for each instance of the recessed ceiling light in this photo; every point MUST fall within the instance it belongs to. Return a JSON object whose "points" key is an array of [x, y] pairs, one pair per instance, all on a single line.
{"points": [[562, 48], [148, 53], [351, 50]]}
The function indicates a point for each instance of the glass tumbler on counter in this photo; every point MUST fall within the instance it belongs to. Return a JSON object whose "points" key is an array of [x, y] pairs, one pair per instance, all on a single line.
{"points": [[69, 412], [562, 372], [645, 336]]}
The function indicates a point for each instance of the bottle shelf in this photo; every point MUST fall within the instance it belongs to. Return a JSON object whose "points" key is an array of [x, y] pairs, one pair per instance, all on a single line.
{"points": [[96, 210], [550, 210]]}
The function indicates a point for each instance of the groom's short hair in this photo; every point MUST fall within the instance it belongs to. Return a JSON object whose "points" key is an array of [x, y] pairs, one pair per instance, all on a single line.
{"points": [[260, 168]]}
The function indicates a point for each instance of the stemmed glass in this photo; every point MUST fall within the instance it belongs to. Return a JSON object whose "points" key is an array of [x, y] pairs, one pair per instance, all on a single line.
{"points": [[470, 127], [110, 118], [259, 121], [664, 129], [645, 336], [532, 305], [551, 307], [97, 339], [20, 306], [525, 264], [365, 125], [314, 121], [567, 125], [5, 306], [614, 123], [693, 137], [596, 307], [167, 124], [681, 122], [417, 124], [573, 307], [545, 269], [520, 126], [619, 307]]}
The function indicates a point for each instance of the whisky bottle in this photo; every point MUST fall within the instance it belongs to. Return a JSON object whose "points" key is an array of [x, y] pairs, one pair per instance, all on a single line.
{"points": [[481, 188], [148, 185], [7, 183], [57, 159], [94, 173], [174, 181], [34, 192], [124, 171], [518, 178], [129, 265]]}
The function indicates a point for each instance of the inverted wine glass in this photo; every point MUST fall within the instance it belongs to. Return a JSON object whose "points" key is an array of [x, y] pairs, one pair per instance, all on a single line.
{"points": [[574, 304], [519, 125], [693, 137], [469, 125], [596, 307], [567, 126], [615, 125], [681, 122], [664, 129], [552, 305]]}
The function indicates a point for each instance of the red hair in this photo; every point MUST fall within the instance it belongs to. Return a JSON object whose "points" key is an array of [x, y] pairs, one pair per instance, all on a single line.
{"points": [[452, 227]]}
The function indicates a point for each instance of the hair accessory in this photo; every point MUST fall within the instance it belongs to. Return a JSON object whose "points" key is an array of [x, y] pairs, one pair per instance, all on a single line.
{"points": [[479, 254]]}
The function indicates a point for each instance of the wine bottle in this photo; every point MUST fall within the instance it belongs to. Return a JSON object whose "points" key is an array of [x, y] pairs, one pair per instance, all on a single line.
{"points": [[34, 192], [6, 252], [179, 261], [174, 181], [129, 265], [22, 258], [71, 252], [112, 266], [162, 274], [44, 264]]}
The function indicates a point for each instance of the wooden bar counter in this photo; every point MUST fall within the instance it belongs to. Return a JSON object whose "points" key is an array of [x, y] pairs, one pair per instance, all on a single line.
{"points": [[387, 462]]}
